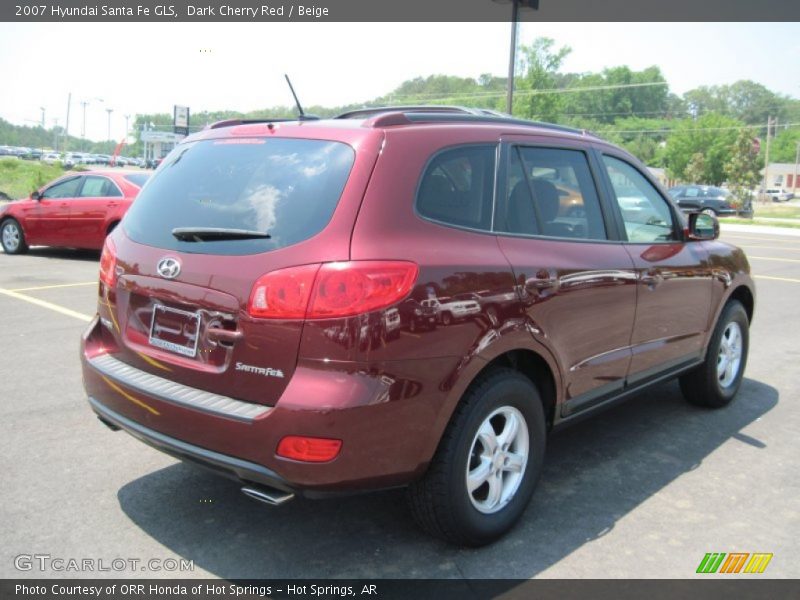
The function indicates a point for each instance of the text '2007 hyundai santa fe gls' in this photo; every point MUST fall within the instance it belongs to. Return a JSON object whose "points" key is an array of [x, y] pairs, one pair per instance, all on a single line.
{"points": [[258, 306]]}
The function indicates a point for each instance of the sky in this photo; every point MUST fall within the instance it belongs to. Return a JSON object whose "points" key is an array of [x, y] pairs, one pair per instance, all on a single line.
{"points": [[145, 68]]}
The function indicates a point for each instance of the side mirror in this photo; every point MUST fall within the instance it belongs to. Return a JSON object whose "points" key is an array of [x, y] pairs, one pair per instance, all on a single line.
{"points": [[36, 196], [703, 226]]}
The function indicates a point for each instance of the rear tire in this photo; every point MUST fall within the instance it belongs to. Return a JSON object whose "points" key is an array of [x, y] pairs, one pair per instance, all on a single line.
{"points": [[12, 237], [715, 383], [488, 462]]}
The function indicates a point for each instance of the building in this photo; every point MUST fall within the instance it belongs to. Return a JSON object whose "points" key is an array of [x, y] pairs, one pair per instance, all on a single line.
{"points": [[783, 175]]}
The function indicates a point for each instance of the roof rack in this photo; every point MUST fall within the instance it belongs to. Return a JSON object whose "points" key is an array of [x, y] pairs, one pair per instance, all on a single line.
{"points": [[232, 122], [406, 115], [366, 112]]}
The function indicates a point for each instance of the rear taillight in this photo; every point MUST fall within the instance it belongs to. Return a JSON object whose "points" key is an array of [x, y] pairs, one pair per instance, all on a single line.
{"points": [[309, 449], [282, 294], [332, 290], [108, 264]]}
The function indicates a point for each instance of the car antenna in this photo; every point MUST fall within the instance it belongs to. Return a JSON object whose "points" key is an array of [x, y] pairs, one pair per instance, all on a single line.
{"points": [[303, 116]]}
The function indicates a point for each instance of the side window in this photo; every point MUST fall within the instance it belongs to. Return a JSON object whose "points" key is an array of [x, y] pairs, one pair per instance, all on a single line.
{"points": [[646, 214], [65, 189], [692, 192], [457, 187], [551, 192], [95, 187]]}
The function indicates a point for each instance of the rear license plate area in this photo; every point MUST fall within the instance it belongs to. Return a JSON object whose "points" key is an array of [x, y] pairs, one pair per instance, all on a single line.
{"points": [[175, 330]]}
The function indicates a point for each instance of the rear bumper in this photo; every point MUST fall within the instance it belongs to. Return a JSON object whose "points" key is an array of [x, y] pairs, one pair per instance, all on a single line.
{"points": [[385, 414], [227, 466]]}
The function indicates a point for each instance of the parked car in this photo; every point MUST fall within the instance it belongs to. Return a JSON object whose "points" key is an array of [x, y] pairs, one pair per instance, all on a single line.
{"points": [[51, 157], [234, 298], [75, 211], [32, 154], [777, 194], [707, 198]]}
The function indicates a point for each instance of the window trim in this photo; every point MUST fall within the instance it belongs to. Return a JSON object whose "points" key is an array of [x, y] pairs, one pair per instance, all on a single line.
{"points": [[494, 196], [612, 233], [677, 221]]}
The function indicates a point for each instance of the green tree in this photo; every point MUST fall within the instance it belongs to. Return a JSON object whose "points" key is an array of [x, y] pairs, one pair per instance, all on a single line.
{"points": [[742, 168], [710, 135], [696, 168], [540, 63], [784, 147]]}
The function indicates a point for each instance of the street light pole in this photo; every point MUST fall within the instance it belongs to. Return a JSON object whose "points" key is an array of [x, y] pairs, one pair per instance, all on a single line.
{"points": [[109, 111], [42, 109], [512, 58], [512, 55]]}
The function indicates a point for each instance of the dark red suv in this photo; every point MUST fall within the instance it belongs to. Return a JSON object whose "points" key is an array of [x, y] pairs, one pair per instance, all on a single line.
{"points": [[254, 312]]}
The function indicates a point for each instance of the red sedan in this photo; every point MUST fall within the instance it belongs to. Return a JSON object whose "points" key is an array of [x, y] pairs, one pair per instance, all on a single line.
{"points": [[76, 211]]}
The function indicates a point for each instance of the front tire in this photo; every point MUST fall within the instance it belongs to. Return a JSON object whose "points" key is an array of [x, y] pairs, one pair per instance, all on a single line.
{"points": [[715, 383], [488, 462], [12, 237]]}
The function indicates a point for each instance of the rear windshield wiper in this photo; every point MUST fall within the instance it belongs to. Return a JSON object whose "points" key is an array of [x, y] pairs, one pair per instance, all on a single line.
{"points": [[214, 234]]}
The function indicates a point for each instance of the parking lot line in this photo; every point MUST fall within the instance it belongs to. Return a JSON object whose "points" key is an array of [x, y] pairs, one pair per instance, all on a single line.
{"points": [[761, 239], [791, 260], [773, 278], [52, 287], [45, 304]]}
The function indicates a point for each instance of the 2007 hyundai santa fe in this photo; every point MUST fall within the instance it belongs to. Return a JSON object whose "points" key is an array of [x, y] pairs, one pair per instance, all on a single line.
{"points": [[403, 297]]}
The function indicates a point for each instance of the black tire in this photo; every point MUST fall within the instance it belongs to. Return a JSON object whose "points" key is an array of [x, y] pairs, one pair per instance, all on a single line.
{"points": [[440, 502], [9, 230], [703, 386], [447, 318], [412, 325], [710, 211]]}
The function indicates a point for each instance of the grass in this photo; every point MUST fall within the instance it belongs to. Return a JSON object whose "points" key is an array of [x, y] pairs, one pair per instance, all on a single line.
{"points": [[18, 178], [777, 211], [792, 224]]}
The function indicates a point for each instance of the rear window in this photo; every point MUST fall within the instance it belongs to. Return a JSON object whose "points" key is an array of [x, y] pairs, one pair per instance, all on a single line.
{"points": [[283, 187], [138, 179]]}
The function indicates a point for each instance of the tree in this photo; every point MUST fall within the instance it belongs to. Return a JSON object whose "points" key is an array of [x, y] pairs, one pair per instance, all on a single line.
{"points": [[742, 168], [696, 168], [540, 64], [710, 135], [784, 146]]}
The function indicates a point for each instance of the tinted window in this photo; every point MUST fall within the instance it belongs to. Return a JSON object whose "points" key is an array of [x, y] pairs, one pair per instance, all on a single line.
{"points": [[65, 189], [551, 192], [286, 188], [457, 187], [646, 215], [137, 179]]}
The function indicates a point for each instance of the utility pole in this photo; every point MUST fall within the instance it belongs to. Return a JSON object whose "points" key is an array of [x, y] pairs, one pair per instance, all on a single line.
{"points": [[766, 157], [796, 163], [55, 134], [66, 125], [41, 108], [127, 118]]}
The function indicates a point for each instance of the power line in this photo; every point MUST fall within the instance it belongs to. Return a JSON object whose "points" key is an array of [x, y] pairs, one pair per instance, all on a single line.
{"points": [[518, 92], [675, 130]]}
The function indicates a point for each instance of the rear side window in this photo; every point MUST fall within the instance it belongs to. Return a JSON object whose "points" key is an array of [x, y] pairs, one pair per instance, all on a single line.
{"points": [[551, 192], [286, 188], [457, 187]]}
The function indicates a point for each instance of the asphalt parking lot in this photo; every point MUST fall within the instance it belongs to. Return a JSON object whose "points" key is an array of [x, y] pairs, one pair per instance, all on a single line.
{"points": [[644, 490]]}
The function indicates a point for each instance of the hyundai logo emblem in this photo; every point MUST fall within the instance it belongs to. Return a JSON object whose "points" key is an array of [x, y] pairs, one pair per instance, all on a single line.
{"points": [[168, 267]]}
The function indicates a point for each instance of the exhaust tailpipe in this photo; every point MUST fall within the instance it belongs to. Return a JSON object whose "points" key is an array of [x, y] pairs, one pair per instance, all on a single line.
{"points": [[267, 496]]}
